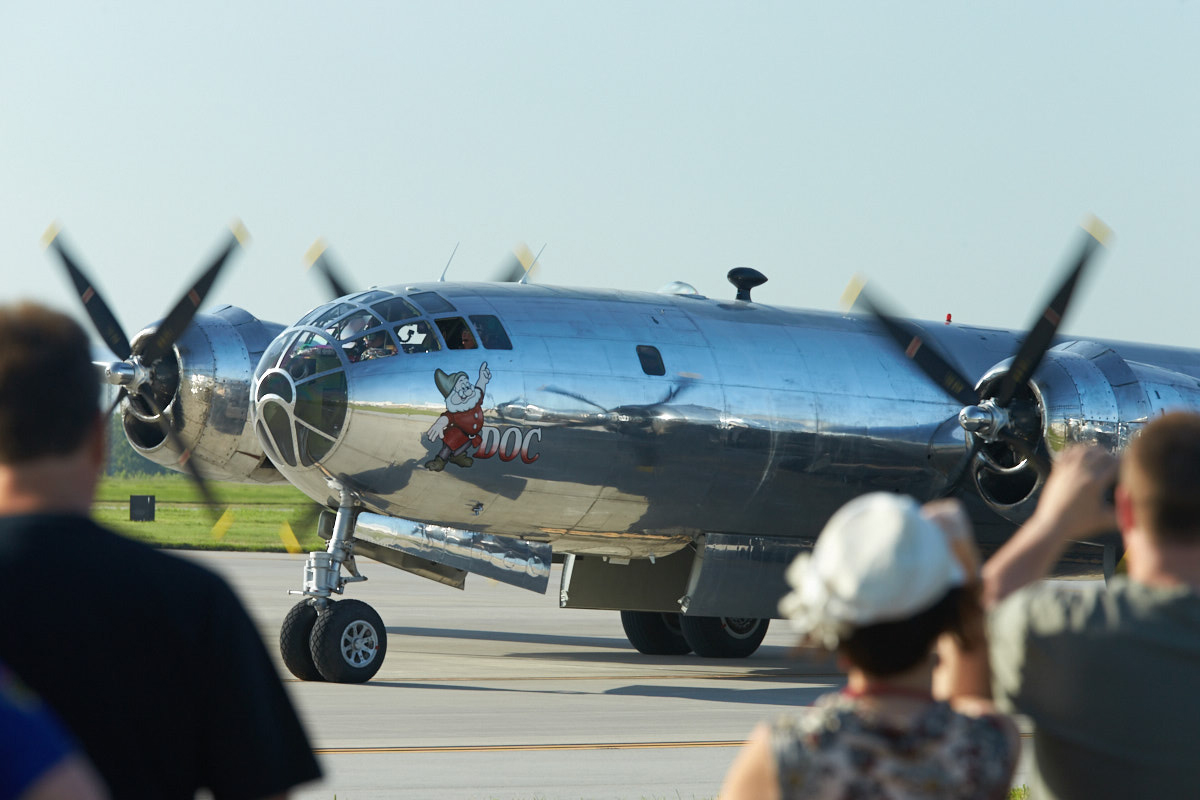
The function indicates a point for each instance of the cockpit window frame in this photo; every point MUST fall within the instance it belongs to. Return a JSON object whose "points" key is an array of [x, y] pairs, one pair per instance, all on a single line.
{"points": [[387, 309], [431, 343], [489, 332], [324, 316], [368, 297], [452, 330], [432, 303]]}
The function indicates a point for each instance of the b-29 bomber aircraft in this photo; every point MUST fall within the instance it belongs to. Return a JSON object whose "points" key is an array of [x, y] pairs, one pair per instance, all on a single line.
{"points": [[674, 451]]}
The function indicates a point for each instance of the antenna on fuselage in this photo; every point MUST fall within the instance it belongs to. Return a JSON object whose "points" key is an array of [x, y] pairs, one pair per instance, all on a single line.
{"points": [[533, 263], [448, 260]]}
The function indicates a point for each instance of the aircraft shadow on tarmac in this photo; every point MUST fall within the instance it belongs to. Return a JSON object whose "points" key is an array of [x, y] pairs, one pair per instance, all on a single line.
{"points": [[512, 636], [628, 655], [779, 696], [740, 693]]}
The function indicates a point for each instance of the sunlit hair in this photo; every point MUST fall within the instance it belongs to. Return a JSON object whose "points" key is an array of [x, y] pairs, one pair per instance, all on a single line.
{"points": [[889, 648], [1161, 471], [49, 390]]}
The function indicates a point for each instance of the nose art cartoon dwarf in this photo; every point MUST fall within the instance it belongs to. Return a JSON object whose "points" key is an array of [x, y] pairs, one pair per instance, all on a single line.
{"points": [[458, 427]]}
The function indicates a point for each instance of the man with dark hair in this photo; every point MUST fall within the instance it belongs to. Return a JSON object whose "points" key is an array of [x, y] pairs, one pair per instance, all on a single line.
{"points": [[1108, 675], [151, 661]]}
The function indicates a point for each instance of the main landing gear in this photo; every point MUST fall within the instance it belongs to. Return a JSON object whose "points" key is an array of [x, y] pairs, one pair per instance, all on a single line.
{"points": [[340, 641], [659, 634]]}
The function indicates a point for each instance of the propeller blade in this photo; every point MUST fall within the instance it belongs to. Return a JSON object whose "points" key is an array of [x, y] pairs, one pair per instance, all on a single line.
{"points": [[530, 264], [97, 310], [515, 267], [1037, 342], [185, 460], [120, 396], [181, 315], [929, 361], [955, 476], [317, 257], [510, 272], [1029, 451]]}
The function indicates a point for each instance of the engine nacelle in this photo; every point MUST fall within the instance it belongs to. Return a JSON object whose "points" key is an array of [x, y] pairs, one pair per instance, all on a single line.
{"points": [[203, 388], [1084, 392]]}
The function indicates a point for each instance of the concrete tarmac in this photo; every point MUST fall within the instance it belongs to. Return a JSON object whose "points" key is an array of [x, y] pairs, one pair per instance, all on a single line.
{"points": [[494, 693]]}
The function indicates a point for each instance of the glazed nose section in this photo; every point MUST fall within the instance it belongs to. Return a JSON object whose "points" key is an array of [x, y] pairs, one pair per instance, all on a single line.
{"points": [[300, 398]]}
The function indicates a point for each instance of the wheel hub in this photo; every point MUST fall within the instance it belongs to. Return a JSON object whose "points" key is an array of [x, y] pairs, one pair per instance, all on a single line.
{"points": [[359, 644]]}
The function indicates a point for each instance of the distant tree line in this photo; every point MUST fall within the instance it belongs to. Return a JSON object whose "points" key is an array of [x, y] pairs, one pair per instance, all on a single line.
{"points": [[123, 460]]}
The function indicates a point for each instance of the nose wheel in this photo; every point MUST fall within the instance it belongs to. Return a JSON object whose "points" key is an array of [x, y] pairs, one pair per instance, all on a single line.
{"points": [[322, 639], [343, 643]]}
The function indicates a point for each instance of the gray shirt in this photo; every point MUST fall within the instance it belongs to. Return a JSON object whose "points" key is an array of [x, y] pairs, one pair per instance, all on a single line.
{"points": [[1110, 678]]}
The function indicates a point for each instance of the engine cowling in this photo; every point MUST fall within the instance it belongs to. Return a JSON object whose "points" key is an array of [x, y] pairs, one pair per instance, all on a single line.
{"points": [[203, 388], [1084, 392]]}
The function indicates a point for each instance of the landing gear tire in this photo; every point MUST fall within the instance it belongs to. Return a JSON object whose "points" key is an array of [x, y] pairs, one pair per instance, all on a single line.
{"points": [[348, 642], [655, 634], [723, 637], [294, 639]]}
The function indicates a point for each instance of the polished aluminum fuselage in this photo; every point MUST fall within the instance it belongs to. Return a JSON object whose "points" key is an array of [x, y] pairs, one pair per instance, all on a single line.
{"points": [[764, 421]]}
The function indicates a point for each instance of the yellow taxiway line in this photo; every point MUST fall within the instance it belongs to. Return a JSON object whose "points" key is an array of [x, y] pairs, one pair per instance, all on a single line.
{"points": [[498, 748]]}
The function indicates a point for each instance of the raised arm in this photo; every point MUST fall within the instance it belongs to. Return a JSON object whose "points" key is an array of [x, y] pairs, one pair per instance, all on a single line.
{"points": [[1074, 505]]}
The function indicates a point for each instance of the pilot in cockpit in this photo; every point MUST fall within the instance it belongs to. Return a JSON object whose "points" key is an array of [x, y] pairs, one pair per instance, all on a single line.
{"points": [[352, 347], [377, 345]]}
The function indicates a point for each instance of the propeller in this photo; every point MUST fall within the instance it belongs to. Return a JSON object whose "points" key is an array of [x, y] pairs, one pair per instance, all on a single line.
{"points": [[997, 414], [517, 269], [520, 266], [141, 371], [318, 257]]}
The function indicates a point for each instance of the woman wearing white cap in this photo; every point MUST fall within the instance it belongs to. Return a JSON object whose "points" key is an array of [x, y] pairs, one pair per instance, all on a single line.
{"points": [[886, 582]]}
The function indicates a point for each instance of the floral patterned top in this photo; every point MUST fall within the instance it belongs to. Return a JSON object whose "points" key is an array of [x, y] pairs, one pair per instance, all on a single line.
{"points": [[839, 749]]}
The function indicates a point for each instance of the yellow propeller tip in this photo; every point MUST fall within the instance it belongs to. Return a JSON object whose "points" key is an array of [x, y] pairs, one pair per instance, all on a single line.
{"points": [[314, 252], [288, 537], [239, 232], [222, 525], [52, 232], [523, 254], [853, 289], [1097, 229]]}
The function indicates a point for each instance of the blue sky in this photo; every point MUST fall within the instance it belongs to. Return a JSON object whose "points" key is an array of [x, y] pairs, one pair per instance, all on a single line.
{"points": [[947, 150]]}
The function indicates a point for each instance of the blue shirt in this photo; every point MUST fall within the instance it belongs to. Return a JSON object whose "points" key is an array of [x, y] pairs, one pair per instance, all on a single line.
{"points": [[31, 739]]}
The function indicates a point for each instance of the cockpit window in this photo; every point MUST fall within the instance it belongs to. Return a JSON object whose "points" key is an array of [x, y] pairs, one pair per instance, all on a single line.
{"points": [[311, 355], [322, 403], [366, 298], [457, 333], [271, 356], [490, 332], [353, 325], [432, 302], [321, 317], [417, 337], [363, 338], [395, 309]]}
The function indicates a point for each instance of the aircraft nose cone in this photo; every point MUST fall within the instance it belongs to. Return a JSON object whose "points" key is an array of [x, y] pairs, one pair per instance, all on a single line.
{"points": [[300, 399]]}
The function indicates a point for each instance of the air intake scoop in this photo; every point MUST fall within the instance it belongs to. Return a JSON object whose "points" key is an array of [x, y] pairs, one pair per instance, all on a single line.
{"points": [[745, 279]]}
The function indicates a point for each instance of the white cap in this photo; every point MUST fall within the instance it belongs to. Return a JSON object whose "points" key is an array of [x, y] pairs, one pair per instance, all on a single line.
{"points": [[877, 560]]}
